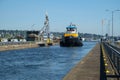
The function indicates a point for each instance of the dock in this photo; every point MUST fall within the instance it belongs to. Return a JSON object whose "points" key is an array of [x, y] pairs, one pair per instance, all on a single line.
{"points": [[22, 45], [88, 68], [101, 63], [17, 45]]}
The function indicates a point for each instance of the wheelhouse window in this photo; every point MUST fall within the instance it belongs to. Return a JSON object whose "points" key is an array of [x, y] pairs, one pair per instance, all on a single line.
{"points": [[70, 29]]}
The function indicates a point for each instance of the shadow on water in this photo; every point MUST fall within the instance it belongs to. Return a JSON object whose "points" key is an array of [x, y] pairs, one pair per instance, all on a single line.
{"points": [[43, 63]]}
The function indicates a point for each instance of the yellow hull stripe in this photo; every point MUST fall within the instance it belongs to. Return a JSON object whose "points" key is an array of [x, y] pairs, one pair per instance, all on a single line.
{"points": [[72, 34]]}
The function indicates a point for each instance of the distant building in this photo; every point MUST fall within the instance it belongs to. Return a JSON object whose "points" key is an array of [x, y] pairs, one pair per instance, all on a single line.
{"points": [[32, 35], [4, 40]]}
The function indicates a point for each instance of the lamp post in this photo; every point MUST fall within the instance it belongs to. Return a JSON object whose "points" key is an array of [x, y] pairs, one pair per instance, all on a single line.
{"points": [[112, 23], [108, 29]]}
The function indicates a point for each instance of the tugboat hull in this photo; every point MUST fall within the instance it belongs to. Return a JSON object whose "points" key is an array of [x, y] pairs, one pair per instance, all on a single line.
{"points": [[70, 42]]}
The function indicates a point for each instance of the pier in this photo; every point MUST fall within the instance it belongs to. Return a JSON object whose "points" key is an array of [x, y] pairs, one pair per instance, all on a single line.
{"points": [[16, 45], [101, 63], [22, 45]]}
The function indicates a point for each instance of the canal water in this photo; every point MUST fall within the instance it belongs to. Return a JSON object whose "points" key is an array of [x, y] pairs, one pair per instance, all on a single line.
{"points": [[43, 63]]}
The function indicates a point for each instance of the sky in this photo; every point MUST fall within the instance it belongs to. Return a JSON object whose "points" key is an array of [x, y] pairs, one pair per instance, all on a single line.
{"points": [[86, 14]]}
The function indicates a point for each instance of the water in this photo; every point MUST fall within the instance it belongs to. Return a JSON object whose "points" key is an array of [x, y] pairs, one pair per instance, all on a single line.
{"points": [[43, 63]]}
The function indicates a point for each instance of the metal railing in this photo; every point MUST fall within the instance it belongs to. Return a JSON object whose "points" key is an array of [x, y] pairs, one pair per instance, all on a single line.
{"points": [[114, 56]]}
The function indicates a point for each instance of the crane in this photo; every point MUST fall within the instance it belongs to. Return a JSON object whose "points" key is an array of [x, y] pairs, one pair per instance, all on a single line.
{"points": [[44, 32]]}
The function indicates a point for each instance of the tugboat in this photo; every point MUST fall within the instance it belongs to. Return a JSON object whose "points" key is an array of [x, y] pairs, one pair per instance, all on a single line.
{"points": [[71, 37]]}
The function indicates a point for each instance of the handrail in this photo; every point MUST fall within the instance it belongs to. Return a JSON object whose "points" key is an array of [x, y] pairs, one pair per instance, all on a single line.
{"points": [[113, 48], [114, 56]]}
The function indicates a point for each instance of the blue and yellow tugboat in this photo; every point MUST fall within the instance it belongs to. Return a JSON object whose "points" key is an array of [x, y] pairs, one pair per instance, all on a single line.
{"points": [[71, 37]]}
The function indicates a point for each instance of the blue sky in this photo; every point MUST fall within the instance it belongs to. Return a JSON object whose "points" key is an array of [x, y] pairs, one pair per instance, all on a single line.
{"points": [[86, 14]]}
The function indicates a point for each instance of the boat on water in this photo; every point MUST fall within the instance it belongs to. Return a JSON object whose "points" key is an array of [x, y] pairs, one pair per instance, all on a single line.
{"points": [[71, 37]]}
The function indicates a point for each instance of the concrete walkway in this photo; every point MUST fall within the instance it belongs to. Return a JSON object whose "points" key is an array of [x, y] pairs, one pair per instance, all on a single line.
{"points": [[88, 68]]}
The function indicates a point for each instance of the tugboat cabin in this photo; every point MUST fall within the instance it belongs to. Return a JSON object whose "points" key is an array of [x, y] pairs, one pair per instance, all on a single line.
{"points": [[71, 31]]}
